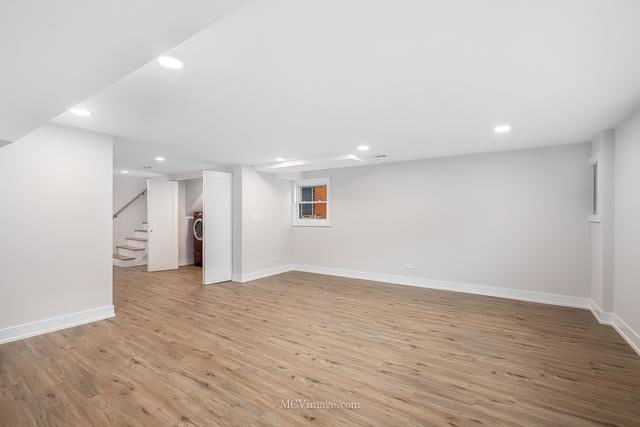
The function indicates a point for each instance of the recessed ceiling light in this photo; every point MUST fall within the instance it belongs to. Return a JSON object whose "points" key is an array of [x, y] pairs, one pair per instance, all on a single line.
{"points": [[124, 171], [170, 62], [363, 147], [80, 112], [160, 159], [279, 159], [502, 129]]}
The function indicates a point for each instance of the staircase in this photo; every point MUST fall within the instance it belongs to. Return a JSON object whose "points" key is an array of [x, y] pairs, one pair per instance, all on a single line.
{"points": [[134, 251]]}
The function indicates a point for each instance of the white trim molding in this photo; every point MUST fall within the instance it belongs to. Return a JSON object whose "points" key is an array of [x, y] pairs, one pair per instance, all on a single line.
{"points": [[493, 291], [603, 317], [296, 221], [626, 332], [26, 330], [185, 261], [248, 277]]}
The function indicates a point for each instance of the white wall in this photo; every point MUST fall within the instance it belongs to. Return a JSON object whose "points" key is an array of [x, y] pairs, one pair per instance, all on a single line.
{"points": [[513, 219], [193, 195], [627, 223], [126, 188], [265, 221], [55, 230]]}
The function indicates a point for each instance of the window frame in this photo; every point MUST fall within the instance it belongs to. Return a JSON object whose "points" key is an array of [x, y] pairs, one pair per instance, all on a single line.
{"points": [[295, 203]]}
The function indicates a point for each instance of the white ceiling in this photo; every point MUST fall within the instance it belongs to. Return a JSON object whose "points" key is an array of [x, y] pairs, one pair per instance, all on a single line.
{"points": [[411, 78], [54, 54], [138, 158]]}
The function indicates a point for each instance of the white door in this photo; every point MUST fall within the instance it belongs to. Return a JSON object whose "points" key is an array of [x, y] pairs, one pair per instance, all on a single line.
{"points": [[216, 223], [162, 217]]}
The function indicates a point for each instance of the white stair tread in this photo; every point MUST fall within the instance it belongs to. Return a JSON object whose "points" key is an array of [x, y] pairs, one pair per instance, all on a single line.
{"points": [[137, 239], [131, 248], [123, 257], [141, 231]]}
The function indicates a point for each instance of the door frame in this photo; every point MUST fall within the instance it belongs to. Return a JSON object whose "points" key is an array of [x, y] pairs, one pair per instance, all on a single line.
{"points": [[217, 266]]}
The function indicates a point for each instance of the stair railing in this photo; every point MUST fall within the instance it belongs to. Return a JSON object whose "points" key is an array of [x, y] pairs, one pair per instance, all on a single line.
{"points": [[115, 215]]}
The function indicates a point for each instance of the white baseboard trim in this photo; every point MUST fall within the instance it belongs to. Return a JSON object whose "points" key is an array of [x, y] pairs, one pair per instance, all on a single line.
{"points": [[162, 265], [493, 291], [26, 330], [603, 317], [626, 332], [517, 294], [185, 261], [247, 277]]}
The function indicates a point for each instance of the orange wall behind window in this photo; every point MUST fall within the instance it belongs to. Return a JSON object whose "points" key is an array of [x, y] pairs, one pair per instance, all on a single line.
{"points": [[320, 209], [320, 193]]}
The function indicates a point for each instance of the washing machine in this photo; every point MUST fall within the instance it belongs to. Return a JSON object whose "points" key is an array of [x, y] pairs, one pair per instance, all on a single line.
{"points": [[197, 238]]}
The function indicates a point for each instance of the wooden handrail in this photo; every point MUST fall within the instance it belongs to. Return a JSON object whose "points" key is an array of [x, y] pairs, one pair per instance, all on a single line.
{"points": [[115, 215]]}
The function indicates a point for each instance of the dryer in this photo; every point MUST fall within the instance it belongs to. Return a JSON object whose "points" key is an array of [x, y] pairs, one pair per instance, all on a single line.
{"points": [[197, 238]]}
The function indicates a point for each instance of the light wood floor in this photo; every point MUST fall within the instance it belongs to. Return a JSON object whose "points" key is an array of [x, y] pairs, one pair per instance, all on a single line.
{"points": [[181, 354]]}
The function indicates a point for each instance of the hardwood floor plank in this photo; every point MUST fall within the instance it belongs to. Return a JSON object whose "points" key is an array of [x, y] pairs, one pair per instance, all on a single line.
{"points": [[178, 353]]}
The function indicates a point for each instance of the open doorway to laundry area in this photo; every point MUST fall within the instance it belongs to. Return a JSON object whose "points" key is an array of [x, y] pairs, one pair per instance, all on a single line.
{"points": [[164, 223]]}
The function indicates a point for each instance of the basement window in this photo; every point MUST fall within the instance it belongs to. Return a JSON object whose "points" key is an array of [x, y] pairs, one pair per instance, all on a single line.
{"points": [[311, 202], [595, 183], [594, 207]]}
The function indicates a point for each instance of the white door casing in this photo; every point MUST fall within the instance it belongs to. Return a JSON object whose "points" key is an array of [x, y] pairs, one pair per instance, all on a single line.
{"points": [[217, 227]]}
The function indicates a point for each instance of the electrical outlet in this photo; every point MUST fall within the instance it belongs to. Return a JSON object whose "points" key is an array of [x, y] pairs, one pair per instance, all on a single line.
{"points": [[409, 266]]}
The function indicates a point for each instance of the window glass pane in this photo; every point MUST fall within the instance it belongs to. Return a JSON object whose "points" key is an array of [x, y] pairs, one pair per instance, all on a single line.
{"points": [[320, 210], [312, 211], [306, 194], [320, 193], [306, 210]]}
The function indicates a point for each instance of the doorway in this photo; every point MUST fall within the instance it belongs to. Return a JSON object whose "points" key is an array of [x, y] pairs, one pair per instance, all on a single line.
{"points": [[181, 211]]}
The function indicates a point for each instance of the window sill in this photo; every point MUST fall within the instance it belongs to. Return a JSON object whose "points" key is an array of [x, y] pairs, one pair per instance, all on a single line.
{"points": [[311, 223]]}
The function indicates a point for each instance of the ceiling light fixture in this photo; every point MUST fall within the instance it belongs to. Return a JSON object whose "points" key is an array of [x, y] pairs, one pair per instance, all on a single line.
{"points": [[502, 129], [170, 62], [160, 159], [80, 112], [279, 159], [363, 147], [124, 171]]}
